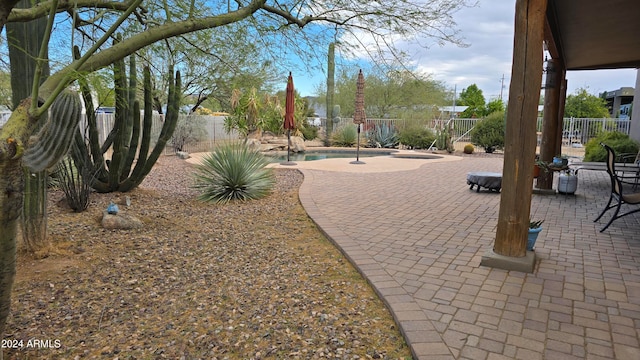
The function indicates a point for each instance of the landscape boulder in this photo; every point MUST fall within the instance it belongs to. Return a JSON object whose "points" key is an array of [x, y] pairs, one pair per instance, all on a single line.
{"points": [[120, 221], [297, 144]]}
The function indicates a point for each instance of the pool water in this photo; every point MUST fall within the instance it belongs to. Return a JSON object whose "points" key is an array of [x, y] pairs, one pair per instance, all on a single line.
{"points": [[310, 156]]}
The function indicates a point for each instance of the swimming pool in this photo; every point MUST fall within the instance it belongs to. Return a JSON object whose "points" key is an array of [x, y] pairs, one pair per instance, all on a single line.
{"points": [[324, 154]]}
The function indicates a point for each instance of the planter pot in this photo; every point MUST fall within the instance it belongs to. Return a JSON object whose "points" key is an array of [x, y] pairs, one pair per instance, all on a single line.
{"points": [[533, 236], [567, 184], [560, 162], [536, 171]]}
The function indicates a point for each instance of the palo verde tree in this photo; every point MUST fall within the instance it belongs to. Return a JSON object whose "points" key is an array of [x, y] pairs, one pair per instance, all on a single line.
{"points": [[283, 22], [391, 93]]}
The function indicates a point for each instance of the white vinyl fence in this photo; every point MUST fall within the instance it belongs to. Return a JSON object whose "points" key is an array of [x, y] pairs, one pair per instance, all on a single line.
{"points": [[575, 134], [213, 131]]}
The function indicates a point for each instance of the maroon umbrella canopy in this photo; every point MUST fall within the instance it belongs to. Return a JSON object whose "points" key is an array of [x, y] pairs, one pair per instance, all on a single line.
{"points": [[290, 107], [359, 116]]}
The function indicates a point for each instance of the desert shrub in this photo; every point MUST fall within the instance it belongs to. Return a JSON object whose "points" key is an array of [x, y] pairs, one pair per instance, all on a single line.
{"points": [[416, 136], [233, 172], [309, 132], [189, 130], [383, 135], [345, 135], [489, 132], [468, 149], [76, 185], [619, 142]]}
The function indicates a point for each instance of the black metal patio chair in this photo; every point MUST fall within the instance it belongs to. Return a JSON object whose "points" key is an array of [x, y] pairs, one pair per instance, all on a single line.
{"points": [[618, 196]]}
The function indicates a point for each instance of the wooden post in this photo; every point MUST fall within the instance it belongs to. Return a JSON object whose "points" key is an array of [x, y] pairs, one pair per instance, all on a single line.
{"points": [[520, 139], [550, 123], [562, 98]]}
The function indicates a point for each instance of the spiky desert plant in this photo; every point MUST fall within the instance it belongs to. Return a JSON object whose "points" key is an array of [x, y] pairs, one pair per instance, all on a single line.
{"points": [[345, 135], [383, 135], [127, 139], [233, 172], [75, 185]]}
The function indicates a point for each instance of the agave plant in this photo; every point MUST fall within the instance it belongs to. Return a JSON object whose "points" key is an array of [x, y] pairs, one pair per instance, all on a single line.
{"points": [[383, 135], [233, 172]]}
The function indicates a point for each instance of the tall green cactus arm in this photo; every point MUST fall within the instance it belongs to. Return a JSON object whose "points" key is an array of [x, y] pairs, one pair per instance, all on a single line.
{"points": [[331, 67], [93, 134], [53, 140], [133, 130], [171, 119], [121, 119], [147, 117], [135, 138]]}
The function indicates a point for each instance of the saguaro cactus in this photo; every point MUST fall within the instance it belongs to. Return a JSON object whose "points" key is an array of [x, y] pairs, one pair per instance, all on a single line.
{"points": [[23, 40], [127, 139], [331, 67]]}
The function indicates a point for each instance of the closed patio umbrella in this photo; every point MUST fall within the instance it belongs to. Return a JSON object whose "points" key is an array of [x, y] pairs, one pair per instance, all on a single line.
{"points": [[289, 120], [359, 116]]}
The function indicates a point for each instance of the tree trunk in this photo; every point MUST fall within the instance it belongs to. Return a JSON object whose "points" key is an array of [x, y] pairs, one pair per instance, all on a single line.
{"points": [[24, 46], [10, 208], [12, 135]]}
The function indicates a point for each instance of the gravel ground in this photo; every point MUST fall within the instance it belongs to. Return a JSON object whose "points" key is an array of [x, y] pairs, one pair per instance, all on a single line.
{"points": [[252, 280]]}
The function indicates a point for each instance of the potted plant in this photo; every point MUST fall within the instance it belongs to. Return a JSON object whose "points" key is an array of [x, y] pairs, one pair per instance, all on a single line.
{"points": [[560, 161], [539, 166], [568, 181], [534, 229]]}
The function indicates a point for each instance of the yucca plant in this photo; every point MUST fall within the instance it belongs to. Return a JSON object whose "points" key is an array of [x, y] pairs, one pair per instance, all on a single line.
{"points": [[233, 172]]}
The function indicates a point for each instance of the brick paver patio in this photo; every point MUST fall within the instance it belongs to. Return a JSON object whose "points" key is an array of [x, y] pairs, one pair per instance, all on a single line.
{"points": [[418, 237]]}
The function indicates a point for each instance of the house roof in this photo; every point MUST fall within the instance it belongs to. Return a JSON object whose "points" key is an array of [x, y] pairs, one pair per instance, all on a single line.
{"points": [[595, 34]]}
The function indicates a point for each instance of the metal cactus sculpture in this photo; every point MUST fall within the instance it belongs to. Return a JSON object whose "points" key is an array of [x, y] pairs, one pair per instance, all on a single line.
{"points": [[128, 139]]}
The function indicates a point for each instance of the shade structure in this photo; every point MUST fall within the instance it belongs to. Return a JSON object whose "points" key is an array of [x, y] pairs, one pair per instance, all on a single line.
{"points": [[359, 116], [289, 119]]}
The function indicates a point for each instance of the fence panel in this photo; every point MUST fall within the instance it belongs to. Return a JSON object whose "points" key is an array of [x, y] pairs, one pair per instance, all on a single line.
{"points": [[213, 128], [215, 134]]}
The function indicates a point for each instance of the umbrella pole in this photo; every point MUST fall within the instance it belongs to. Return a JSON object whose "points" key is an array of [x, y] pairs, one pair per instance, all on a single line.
{"points": [[358, 145], [358, 149], [288, 144]]}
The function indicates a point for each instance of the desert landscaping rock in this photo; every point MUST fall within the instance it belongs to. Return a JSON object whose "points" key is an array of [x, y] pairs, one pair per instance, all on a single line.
{"points": [[198, 281]]}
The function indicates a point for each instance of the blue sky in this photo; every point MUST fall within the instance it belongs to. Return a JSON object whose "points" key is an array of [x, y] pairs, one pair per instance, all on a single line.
{"points": [[488, 29]]}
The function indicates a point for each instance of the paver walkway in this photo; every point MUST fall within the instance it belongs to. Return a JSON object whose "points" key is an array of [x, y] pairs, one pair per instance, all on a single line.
{"points": [[418, 236]]}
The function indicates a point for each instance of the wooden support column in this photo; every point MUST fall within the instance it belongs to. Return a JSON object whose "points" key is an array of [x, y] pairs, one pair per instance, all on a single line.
{"points": [[562, 98], [520, 139], [550, 123]]}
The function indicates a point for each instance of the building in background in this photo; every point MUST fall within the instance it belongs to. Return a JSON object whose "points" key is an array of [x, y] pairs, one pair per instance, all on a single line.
{"points": [[619, 102]]}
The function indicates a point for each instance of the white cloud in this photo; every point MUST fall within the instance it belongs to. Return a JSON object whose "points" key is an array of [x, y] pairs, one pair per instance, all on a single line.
{"points": [[488, 30]]}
